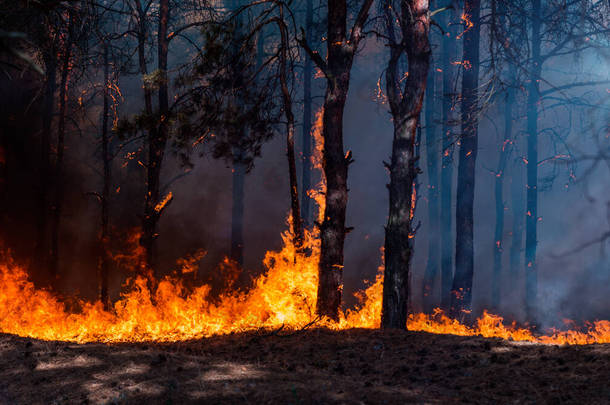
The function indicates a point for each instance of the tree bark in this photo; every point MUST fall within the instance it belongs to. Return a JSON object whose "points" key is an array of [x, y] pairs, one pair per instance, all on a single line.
{"points": [[297, 226], [306, 131], [405, 107], [461, 291], [157, 141], [531, 219], [337, 68], [449, 54]]}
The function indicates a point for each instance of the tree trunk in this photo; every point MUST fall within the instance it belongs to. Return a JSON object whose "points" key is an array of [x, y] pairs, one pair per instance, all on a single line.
{"points": [[146, 236], [157, 141], [142, 22], [405, 107], [105, 259], [432, 155], [449, 54], [337, 68], [505, 151], [518, 211], [297, 226], [41, 253], [461, 291], [237, 213], [59, 162], [306, 131], [332, 229], [531, 219]]}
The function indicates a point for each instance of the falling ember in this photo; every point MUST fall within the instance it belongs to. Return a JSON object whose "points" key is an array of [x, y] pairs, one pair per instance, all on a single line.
{"points": [[468, 24]]}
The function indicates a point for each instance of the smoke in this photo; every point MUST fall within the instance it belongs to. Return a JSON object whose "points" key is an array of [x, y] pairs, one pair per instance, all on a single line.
{"points": [[570, 286]]}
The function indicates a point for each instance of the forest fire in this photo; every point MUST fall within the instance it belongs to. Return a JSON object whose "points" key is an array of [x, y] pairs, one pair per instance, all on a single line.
{"points": [[283, 297], [191, 192]]}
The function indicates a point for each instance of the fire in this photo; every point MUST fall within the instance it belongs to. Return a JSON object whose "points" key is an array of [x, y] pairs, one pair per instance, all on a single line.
{"points": [[316, 161], [283, 297], [164, 202], [468, 24]]}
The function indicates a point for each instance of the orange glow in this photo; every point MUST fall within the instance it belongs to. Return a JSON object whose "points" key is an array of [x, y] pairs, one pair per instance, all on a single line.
{"points": [[284, 296], [413, 202], [468, 24], [465, 64], [163, 203]]}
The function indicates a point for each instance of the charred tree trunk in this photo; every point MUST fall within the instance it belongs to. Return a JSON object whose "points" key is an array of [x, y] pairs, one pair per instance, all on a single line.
{"points": [[332, 229], [104, 259], [297, 225], [405, 107], [56, 209], [340, 55], [461, 291], [306, 131], [41, 253], [157, 141], [432, 155], [144, 269], [531, 219], [449, 53]]}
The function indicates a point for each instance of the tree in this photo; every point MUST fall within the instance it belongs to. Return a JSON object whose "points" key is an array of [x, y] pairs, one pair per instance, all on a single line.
{"points": [[307, 114], [297, 223], [432, 165], [449, 104], [461, 291], [558, 30], [341, 50], [233, 103], [405, 105], [500, 38], [156, 124]]}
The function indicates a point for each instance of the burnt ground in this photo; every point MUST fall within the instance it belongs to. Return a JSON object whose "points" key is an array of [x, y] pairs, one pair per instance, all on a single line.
{"points": [[315, 366]]}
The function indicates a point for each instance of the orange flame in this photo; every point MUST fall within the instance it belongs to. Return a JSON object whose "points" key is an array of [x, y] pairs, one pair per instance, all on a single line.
{"points": [[284, 296], [468, 24]]}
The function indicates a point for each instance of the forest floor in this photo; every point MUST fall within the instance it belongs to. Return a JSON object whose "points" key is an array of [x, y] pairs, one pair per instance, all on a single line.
{"points": [[314, 366]]}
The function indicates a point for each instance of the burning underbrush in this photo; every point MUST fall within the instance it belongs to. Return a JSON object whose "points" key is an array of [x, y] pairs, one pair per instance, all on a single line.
{"points": [[284, 297]]}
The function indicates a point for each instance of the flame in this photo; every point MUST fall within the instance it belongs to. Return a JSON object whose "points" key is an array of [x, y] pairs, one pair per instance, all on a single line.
{"points": [[468, 24], [283, 296], [163, 203], [318, 193]]}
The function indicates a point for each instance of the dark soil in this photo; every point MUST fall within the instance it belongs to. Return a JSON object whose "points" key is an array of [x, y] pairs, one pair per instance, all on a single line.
{"points": [[315, 366]]}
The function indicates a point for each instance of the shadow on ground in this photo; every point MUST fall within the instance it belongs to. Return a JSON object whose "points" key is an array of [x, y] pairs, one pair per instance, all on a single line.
{"points": [[316, 366]]}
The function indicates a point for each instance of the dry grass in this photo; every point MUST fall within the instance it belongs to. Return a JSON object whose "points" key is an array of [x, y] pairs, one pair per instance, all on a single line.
{"points": [[316, 366]]}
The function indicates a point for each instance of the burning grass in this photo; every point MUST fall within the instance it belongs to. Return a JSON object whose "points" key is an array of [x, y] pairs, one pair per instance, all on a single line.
{"points": [[283, 297]]}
